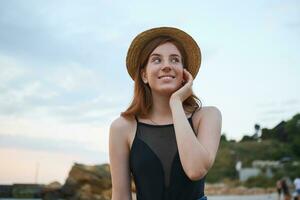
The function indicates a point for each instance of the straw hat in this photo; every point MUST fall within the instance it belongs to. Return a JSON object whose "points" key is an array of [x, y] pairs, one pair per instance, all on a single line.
{"points": [[189, 44]]}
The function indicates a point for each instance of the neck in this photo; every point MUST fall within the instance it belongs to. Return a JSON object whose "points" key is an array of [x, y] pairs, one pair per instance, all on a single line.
{"points": [[161, 110]]}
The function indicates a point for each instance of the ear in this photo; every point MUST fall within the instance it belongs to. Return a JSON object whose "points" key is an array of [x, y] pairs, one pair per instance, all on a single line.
{"points": [[144, 76]]}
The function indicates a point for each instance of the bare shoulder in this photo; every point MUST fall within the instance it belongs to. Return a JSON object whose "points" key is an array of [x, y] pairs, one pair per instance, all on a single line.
{"points": [[122, 128], [119, 158], [121, 123], [206, 112]]}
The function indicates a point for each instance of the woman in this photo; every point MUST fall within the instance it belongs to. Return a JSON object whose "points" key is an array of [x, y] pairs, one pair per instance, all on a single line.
{"points": [[285, 190], [279, 189], [164, 139]]}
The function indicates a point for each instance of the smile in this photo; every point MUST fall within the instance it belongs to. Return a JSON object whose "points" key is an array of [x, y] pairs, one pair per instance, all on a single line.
{"points": [[166, 77]]}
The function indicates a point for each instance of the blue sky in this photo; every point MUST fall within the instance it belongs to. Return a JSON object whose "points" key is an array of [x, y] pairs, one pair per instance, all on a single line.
{"points": [[63, 77]]}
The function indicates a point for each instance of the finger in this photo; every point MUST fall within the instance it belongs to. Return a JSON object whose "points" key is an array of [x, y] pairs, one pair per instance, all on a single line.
{"points": [[186, 74], [189, 76]]}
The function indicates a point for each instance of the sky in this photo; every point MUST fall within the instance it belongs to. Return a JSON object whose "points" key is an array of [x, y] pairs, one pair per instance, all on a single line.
{"points": [[63, 77]]}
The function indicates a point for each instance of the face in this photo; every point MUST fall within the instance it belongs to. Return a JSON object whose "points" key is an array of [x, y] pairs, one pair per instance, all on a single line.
{"points": [[164, 69]]}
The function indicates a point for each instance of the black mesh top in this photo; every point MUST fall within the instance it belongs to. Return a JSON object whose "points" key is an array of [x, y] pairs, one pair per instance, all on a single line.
{"points": [[156, 168]]}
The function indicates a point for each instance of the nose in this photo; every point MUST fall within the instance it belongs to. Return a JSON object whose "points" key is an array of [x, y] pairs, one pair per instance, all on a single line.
{"points": [[166, 66]]}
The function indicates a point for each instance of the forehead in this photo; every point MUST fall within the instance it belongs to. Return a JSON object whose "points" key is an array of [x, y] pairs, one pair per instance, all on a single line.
{"points": [[166, 48]]}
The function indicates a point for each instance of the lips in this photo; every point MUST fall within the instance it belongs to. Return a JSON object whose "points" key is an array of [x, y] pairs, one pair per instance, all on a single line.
{"points": [[166, 76]]}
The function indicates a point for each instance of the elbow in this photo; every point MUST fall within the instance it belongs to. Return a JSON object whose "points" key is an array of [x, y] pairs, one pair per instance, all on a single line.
{"points": [[197, 174]]}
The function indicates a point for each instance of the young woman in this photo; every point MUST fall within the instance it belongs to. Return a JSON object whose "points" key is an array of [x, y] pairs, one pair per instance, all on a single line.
{"points": [[285, 190], [165, 140]]}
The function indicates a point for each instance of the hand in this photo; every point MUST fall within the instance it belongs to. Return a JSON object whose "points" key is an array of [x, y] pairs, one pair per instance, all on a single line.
{"points": [[186, 90]]}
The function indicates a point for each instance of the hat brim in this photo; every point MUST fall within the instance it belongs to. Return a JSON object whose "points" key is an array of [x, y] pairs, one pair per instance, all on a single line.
{"points": [[192, 49]]}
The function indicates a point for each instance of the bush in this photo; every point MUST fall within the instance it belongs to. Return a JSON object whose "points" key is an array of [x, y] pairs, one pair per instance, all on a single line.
{"points": [[259, 181]]}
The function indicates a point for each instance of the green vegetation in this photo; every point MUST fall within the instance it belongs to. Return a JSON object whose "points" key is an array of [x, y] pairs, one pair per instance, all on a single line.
{"points": [[277, 144]]}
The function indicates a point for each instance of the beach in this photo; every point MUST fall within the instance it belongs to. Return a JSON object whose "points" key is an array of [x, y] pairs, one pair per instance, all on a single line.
{"points": [[221, 197]]}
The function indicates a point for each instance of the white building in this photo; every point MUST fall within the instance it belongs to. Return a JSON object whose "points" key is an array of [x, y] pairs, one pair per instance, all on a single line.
{"points": [[256, 169]]}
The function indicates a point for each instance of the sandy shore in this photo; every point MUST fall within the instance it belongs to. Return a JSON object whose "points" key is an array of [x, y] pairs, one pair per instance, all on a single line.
{"points": [[221, 189]]}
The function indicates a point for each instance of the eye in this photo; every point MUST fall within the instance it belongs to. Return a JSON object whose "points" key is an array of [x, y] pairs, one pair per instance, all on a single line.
{"points": [[155, 59], [175, 60]]}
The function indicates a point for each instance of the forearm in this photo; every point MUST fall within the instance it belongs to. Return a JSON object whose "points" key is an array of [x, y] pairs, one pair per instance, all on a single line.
{"points": [[121, 196], [194, 157]]}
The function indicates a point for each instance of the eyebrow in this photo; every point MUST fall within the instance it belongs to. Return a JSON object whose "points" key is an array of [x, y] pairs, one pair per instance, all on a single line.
{"points": [[156, 54]]}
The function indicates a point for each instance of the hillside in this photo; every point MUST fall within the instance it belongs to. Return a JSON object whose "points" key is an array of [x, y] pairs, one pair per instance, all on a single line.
{"points": [[281, 143]]}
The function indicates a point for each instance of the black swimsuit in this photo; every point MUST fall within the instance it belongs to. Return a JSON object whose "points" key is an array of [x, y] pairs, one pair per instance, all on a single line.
{"points": [[156, 168]]}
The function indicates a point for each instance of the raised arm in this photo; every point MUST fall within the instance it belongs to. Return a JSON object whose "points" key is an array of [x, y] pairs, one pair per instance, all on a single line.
{"points": [[197, 154], [119, 160]]}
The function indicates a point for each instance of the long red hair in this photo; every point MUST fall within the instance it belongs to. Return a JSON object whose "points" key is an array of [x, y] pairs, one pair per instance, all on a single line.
{"points": [[142, 98]]}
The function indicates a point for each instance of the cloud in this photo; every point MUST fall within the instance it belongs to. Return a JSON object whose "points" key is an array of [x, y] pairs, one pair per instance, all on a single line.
{"points": [[49, 32], [46, 144], [272, 112], [70, 92], [27, 97], [73, 76], [96, 110], [10, 70], [284, 14], [94, 136]]}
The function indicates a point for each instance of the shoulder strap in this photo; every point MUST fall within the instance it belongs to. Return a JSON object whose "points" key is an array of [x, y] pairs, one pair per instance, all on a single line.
{"points": [[194, 112], [191, 120], [136, 118]]}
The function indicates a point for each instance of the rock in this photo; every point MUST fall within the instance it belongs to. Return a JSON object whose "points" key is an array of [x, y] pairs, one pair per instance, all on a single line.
{"points": [[52, 191], [88, 182], [52, 186]]}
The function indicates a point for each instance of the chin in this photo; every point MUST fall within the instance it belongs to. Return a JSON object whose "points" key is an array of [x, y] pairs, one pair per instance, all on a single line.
{"points": [[166, 90]]}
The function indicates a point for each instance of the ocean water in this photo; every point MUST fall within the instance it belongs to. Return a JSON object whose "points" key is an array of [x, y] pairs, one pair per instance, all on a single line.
{"points": [[229, 197], [247, 197]]}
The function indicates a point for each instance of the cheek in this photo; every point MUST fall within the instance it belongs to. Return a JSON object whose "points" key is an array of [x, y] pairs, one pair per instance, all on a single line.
{"points": [[152, 76], [153, 71], [180, 74]]}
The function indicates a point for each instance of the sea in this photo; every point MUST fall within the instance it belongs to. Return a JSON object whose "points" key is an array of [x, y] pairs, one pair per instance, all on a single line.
{"points": [[227, 197]]}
